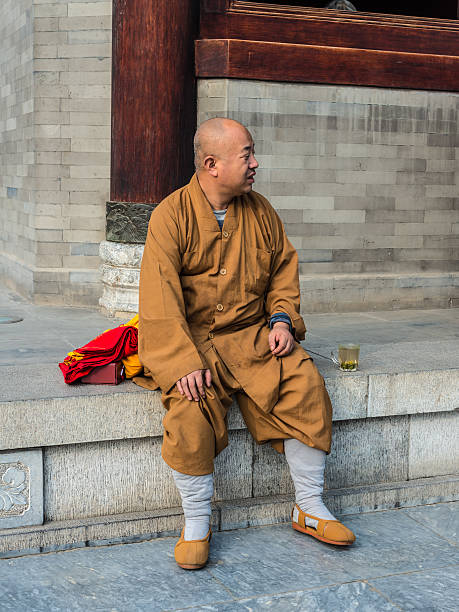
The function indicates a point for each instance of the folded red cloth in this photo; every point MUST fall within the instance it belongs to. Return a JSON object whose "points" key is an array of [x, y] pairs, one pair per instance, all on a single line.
{"points": [[112, 345]]}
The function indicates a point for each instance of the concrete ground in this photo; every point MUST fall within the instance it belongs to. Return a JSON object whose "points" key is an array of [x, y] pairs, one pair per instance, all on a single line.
{"points": [[402, 560]]}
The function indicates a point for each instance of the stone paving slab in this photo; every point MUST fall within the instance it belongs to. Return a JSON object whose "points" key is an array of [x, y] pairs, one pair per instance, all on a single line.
{"points": [[397, 563]]}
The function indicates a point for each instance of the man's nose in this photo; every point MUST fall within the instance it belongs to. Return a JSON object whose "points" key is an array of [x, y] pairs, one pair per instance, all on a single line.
{"points": [[253, 162]]}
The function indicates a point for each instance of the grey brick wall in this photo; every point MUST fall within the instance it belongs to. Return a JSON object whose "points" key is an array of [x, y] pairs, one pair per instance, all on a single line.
{"points": [[16, 140], [365, 179], [55, 74]]}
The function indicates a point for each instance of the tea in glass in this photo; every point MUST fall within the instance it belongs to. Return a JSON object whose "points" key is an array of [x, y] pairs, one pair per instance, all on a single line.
{"points": [[348, 357]]}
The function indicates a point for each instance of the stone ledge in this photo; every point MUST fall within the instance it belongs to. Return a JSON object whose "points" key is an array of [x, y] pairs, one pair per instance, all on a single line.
{"points": [[139, 526], [358, 292], [51, 413]]}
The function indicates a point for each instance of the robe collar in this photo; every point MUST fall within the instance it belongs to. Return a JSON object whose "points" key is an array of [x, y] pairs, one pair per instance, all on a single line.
{"points": [[204, 210]]}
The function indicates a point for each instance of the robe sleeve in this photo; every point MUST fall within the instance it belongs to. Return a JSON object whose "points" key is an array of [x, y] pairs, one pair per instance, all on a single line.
{"points": [[283, 293], [166, 346]]}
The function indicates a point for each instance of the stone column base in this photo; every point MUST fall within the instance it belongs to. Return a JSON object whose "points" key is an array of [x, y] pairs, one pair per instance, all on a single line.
{"points": [[120, 278]]}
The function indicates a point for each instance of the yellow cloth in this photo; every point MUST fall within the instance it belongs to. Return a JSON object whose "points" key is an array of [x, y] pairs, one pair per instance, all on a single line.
{"points": [[132, 365]]}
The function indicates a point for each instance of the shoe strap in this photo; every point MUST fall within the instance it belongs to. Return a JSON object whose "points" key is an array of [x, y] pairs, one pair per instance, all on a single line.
{"points": [[309, 521]]}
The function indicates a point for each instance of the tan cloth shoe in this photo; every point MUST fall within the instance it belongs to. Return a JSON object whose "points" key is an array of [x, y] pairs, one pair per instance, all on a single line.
{"points": [[331, 532], [192, 554]]}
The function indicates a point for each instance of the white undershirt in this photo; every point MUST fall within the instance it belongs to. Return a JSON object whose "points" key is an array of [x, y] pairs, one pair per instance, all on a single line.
{"points": [[220, 214]]}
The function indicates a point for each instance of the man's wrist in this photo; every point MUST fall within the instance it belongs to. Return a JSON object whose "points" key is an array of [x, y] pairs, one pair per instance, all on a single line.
{"points": [[279, 317], [281, 324]]}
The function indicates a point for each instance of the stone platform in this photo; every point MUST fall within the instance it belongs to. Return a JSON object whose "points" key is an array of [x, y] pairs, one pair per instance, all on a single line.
{"points": [[85, 460]]}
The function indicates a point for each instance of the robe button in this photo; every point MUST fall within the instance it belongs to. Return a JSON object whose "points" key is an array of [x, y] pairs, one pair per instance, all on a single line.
{"points": [[223, 271], [220, 307], [225, 234], [211, 335]]}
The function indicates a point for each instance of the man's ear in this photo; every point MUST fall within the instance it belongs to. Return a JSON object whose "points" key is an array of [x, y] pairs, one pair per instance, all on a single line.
{"points": [[210, 164]]}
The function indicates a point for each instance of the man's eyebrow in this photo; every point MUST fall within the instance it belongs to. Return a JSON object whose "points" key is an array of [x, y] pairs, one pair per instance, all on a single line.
{"points": [[248, 147]]}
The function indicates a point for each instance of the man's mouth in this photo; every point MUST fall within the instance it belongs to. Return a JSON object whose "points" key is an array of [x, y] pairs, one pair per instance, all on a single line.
{"points": [[250, 178]]}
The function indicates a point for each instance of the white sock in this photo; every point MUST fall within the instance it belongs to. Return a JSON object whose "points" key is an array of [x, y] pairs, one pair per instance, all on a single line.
{"points": [[196, 493], [307, 466]]}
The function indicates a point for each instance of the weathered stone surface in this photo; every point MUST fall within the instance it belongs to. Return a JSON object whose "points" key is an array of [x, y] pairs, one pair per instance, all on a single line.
{"points": [[349, 396], [403, 494], [99, 413], [337, 597], [434, 444], [368, 451], [271, 474], [119, 301], [413, 392], [253, 512], [21, 488], [434, 589], [122, 476], [115, 477], [118, 254], [233, 468], [128, 221], [120, 276]]}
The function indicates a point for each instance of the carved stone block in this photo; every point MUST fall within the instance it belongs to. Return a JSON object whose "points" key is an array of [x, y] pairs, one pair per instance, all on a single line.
{"points": [[21, 488], [128, 221]]}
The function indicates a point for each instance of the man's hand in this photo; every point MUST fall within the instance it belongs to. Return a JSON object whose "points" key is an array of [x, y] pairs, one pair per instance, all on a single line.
{"points": [[281, 341], [192, 385]]}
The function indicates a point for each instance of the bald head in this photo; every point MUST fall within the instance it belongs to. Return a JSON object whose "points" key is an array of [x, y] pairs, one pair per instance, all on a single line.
{"points": [[213, 137], [225, 160]]}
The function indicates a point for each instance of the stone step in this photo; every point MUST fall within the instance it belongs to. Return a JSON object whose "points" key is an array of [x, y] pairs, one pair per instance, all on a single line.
{"points": [[226, 515], [378, 291]]}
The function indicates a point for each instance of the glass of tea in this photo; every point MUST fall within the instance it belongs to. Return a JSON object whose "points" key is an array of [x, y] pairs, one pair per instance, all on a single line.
{"points": [[348, 357]]}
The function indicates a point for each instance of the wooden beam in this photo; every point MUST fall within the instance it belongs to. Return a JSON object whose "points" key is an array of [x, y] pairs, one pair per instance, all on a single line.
{"points": [[250, 21], [215, 6], [153, 97], [272, 61]]}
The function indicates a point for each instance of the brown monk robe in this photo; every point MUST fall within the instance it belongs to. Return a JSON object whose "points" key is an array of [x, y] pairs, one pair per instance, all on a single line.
{"points": [[206, 296], [208, 289]]}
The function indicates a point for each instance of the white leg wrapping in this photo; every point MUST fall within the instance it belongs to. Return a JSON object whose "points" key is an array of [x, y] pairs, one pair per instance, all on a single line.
{"points": [[307, 466], [196, 493]]}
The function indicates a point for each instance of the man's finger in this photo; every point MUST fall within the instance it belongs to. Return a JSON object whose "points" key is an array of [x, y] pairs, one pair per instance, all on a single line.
{"points": [[208, 377], [284, 352], [180, 388], [186, 388], [282, 343], [288, 349], [200, 384], [193, 388]]}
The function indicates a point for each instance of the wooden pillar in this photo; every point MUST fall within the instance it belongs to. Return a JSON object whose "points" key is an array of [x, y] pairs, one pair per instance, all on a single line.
{"points": [[153, 109]]}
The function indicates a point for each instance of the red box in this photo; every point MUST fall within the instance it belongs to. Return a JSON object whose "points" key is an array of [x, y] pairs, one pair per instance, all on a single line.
{"points": [[110, 374]]}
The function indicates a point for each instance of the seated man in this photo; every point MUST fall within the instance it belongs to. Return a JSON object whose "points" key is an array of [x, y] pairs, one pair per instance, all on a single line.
{"points": [[219, 316]]}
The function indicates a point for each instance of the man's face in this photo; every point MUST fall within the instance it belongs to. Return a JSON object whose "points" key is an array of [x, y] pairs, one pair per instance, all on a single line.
{"points": [[236, 163]]}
